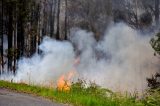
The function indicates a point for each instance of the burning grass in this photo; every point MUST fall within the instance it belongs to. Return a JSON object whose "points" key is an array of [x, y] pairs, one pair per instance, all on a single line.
{"points": [[64, 82], [92, 95]]}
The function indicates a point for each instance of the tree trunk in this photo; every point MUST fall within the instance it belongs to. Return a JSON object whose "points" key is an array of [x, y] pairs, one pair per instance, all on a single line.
{"points": [[15, 47], [38, 29], [157, 12], [51, 20], [1, 37], [66, 20], [10, 32], [136, 15], [40, 26], [58, 16], [20, 30]]}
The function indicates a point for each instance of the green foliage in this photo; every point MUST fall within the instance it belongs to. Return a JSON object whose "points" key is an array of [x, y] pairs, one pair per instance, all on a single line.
{"points": [[152, 97], [92, 88], [155, 43], [154, 82], [78, 86], [90, 95]]}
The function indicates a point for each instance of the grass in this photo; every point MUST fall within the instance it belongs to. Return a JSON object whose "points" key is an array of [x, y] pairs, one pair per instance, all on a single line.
{"points": [[93, 95]]}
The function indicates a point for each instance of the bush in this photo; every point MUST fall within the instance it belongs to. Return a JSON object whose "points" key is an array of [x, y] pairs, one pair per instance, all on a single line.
{"points": [[155, 43], [154, 82]]}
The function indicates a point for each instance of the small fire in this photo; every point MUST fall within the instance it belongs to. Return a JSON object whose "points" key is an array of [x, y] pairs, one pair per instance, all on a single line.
{"points": [[64, 82]]}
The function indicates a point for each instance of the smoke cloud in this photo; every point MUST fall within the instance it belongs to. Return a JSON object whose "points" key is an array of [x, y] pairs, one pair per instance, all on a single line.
{"points": [[121, 61]]}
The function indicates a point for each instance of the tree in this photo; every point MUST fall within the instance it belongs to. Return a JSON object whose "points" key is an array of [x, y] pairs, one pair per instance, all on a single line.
{"points": [[1, 37], [66, 19], [155, 43], [25, 22], [92, 15], [58, 20], [52, 18], [10, 33], [20, 27]]}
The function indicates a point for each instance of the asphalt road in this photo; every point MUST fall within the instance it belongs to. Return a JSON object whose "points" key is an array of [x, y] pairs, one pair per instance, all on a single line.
{"points": [[9, 98]]}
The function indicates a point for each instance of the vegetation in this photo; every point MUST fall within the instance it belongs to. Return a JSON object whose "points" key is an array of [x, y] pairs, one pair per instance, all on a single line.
{"points": [[153, 94], [155, 43], [93, 95], [25, 22], [154, 82]]}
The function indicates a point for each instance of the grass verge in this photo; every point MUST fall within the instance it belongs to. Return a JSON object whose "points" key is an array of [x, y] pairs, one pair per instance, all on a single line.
{"points": [[82, 96]]}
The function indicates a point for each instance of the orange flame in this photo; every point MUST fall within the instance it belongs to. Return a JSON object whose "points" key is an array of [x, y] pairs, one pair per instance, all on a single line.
{"points": [[64, 82]]}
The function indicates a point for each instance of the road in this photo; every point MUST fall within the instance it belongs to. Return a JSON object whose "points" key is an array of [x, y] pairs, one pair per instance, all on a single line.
{"points": [[9, 98]]}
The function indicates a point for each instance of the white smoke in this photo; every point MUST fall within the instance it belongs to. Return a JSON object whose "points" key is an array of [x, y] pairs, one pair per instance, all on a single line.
{"points": [[121, 61], [126, 58], [57, 58]]}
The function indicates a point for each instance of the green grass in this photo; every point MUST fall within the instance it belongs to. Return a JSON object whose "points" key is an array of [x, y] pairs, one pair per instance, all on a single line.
{"points": [[79, 95]]}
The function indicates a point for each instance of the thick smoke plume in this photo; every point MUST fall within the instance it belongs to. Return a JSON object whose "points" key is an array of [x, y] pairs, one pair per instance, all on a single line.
{"points": [[121, 61], [57, 58]]}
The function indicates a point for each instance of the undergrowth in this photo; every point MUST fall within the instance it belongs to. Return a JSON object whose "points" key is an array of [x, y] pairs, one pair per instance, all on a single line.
{"points": [[90, 95]]}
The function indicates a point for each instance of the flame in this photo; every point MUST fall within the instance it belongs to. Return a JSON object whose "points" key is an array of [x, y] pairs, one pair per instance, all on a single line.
{"points": [[64, 82]]}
